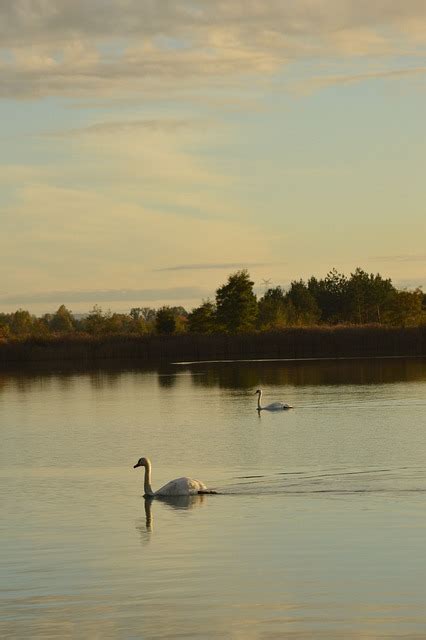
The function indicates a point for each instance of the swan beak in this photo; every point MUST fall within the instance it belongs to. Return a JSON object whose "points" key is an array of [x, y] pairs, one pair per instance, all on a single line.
{"points": [[136, 465]]}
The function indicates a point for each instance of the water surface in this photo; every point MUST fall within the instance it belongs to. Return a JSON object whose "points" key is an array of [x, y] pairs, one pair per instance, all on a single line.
{"points": [[318, 531]]}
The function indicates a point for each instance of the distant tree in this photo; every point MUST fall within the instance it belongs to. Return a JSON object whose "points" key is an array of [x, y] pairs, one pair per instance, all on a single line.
{"points": [[181, 317], [143, 319], [4, 329], [272, 309], [302, 308], [94, 322], [165, 321], [119, 323], [236, 304], [331, 296], [22, 323], [368, 297], [405, 309], [179, 312], [146, 313], [202, 319], [39, 328], [62, 320], [135, 313], [5, 323], [137, 323]]}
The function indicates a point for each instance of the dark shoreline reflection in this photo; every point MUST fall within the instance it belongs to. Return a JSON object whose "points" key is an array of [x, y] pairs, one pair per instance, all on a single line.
{"points": [[222, 374], [251, 374], [27, 376]]}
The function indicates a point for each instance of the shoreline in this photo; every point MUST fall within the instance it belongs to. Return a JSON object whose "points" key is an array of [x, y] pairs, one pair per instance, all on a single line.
{"points": [[293, 344]]}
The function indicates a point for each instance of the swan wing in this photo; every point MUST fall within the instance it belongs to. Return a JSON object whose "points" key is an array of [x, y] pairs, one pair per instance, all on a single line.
{"points": [[181, 487], [277, 406]]}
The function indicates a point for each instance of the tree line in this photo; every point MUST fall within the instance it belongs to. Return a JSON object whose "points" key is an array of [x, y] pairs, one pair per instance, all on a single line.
{"points": [[359, 299]]}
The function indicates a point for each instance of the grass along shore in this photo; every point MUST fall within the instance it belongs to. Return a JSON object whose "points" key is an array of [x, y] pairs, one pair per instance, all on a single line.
{"points": [[314, 342]]}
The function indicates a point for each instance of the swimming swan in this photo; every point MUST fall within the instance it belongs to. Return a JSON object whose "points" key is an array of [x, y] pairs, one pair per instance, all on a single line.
{"points": [[178, 487], [275, 406]]}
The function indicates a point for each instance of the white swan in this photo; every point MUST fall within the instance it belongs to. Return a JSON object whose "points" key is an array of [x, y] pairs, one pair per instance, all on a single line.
{"points": [[178, 487], [275, 406]]}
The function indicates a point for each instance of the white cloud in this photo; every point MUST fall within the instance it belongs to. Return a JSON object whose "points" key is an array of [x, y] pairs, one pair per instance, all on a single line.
{"points": [[169, 125], [80, 48], [95, 296], [214, 265], [322, 81], [409, 257]]}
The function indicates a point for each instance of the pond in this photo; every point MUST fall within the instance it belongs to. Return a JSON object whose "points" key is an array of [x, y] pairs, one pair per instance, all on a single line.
{"points": [[318, 529]]}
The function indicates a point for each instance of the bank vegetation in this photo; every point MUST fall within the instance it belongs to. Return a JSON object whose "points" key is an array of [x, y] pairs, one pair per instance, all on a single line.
{"points": [[357, 316]]}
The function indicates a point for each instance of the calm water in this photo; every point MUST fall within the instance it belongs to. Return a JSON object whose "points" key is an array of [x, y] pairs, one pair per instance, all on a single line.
{"points": [[319, 531]]}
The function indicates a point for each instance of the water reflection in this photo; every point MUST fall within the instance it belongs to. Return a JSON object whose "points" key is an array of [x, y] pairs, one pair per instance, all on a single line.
{"points": [[246, 375], [341, 480], [182, 502], [226, 375], [26, 377], [172, 502]]}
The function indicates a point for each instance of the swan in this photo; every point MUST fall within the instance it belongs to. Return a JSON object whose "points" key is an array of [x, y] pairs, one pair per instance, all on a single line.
{"points": [[275, 406], [178, 487]]}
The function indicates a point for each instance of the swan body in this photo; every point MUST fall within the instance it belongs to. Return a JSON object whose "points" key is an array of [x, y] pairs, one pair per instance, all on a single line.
{"points": [[274, 406], [179, 487]]}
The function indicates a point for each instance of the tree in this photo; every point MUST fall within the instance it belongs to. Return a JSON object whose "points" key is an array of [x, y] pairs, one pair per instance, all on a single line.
{"points": [[165, 321], [236, 304], [118, 323], [4, 331], [146, 313], [181, 318], [5, 323], [368, 296], [406, 308], [330, 295], [62, 320], [302, 306], [135, 313], [22, 323], [202, 319], [94, 322], [272, 311]]}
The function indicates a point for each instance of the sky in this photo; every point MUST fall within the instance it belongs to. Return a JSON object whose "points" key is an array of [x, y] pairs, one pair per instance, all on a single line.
{"points": [[149, 148]]}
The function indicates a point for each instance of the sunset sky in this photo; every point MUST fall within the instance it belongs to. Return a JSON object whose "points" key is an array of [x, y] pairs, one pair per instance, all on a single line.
{"points": [[151, 147]]}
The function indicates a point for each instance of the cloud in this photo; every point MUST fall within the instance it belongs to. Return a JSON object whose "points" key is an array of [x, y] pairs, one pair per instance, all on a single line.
{"points": [[168, 125], [321, 82], [402, 258], [410, 283], [104, 295], [213, 265], [59, 47]]}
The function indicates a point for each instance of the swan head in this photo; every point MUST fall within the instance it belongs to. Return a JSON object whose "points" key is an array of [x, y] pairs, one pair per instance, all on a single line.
{"points": [[142, 462], [258, 391]]}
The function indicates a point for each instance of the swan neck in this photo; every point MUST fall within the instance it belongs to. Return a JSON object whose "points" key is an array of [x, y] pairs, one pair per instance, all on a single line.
{"points": [[147, 481], [259, 395]]}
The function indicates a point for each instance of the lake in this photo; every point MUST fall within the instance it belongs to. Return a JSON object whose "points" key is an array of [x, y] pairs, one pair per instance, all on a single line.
{"points": [[318, 530]]}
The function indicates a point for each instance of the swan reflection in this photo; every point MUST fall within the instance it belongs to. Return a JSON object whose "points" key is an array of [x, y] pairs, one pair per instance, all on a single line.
{"points": [[172, 502], [182, 502]]}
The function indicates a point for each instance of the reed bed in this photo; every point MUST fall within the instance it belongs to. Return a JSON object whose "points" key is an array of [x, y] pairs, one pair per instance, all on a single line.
{"points": [[294, 343]]}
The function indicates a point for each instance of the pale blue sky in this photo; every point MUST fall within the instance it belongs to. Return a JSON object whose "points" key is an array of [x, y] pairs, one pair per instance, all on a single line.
{"points": [[148, 149]]}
